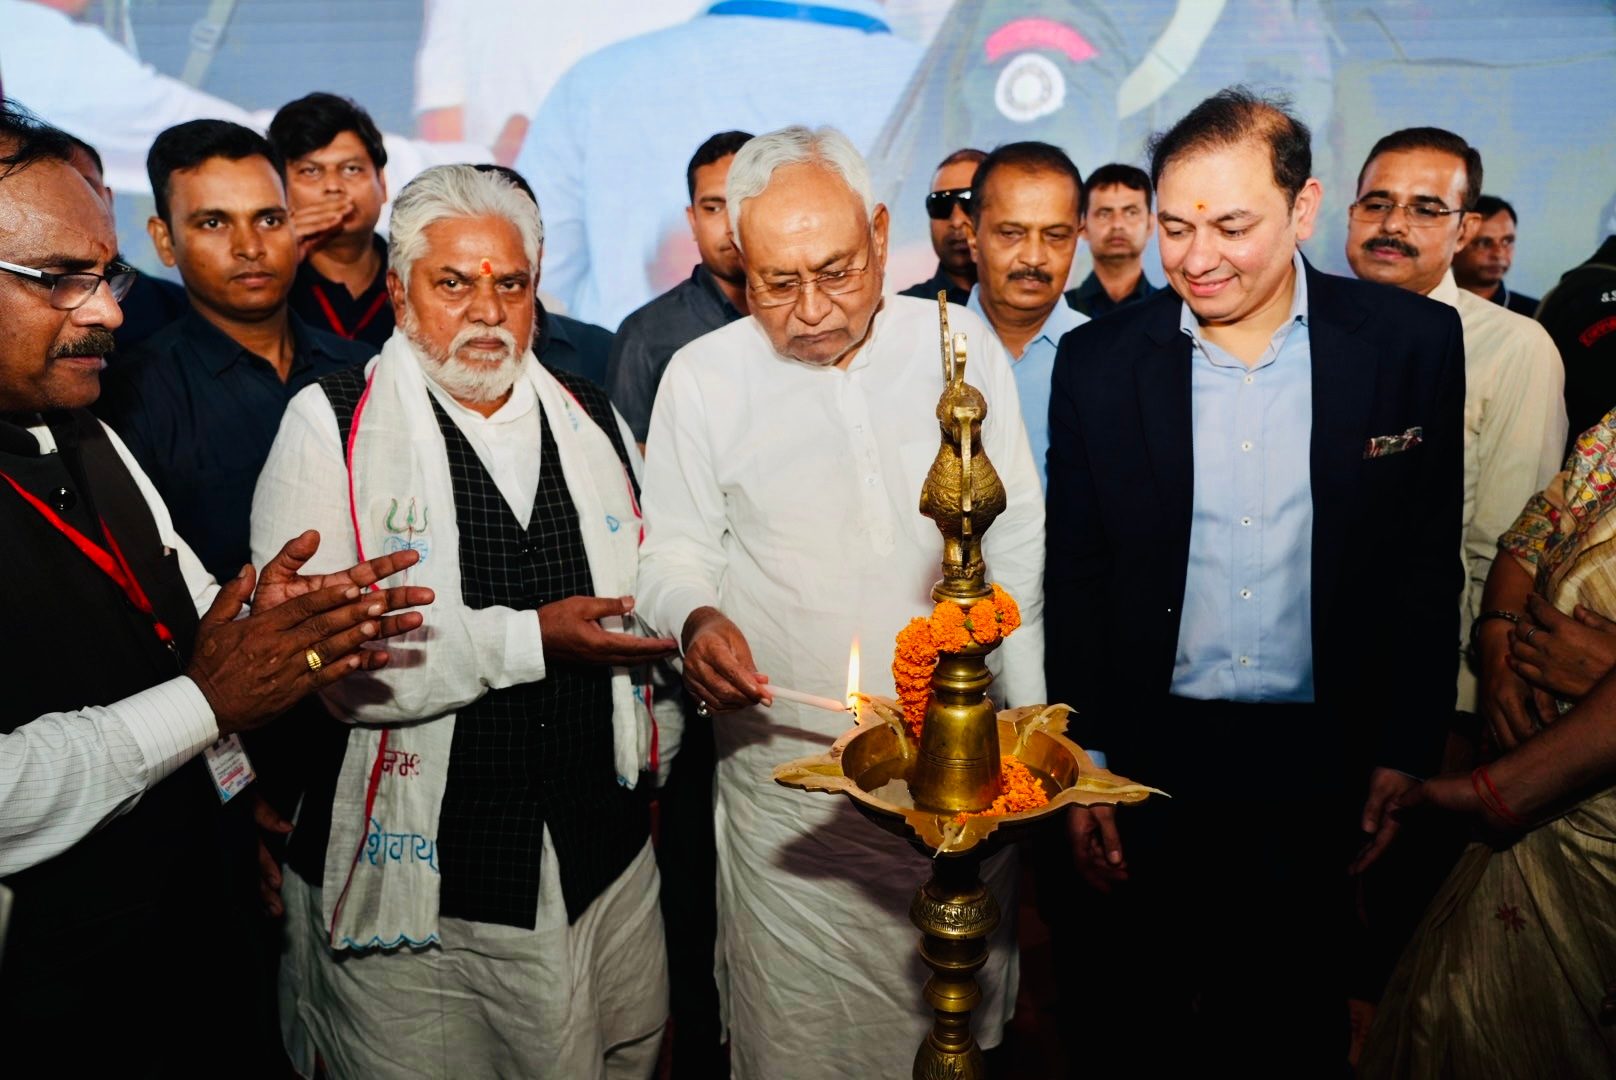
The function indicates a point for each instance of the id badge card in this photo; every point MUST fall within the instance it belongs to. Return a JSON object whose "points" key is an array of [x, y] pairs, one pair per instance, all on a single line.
{"points": [[231, 770]]}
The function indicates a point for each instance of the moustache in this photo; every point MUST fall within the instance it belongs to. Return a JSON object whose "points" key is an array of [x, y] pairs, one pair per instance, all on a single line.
{"points": [[1031, 273], [1391, 243], [472, 333], [93, 343]]}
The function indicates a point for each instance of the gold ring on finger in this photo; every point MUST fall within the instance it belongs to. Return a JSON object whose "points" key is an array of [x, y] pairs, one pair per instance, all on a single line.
{"points": [[312, 658]]}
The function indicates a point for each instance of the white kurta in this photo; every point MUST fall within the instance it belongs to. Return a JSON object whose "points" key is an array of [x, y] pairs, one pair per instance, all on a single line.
{"points": [[1514, 435], [787, 496], [584, 1001]]}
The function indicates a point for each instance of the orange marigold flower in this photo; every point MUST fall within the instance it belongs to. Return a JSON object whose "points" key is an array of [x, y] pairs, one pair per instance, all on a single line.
{"points": [[1009, 611], [1019, 790], [913, 662], [948, 627], [984, 622]]}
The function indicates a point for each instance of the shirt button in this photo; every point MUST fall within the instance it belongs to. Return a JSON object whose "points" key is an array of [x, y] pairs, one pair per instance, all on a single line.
{"points": [[1245, 661], [1245, 521], [1250, 379], [1246, 445], [64, 499], [1245, 594], [869, 481]]}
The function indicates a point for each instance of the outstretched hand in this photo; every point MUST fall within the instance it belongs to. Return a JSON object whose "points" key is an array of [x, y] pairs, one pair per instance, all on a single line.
{"points": [[280, 580], [570, 630]]}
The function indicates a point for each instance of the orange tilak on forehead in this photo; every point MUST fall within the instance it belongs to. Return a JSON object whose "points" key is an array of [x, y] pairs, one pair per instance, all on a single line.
{"points": [[487, 268], [1200, 208]]}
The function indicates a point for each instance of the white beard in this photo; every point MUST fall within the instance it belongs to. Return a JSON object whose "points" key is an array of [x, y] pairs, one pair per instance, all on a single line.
{"points": [[484, 377]]}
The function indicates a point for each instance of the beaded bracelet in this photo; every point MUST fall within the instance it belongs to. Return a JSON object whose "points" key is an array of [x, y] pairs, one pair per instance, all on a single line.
{"points": [[1511, 617]]}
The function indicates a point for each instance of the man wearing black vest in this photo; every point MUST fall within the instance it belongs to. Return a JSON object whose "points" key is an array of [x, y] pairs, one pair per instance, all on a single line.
{"points": [[485, 811], [124, 663]]}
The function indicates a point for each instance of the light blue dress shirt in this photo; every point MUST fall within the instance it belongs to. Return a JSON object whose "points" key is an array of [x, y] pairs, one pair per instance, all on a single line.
{"points": [[1034, 370], [608, 148], [1246, 632]]}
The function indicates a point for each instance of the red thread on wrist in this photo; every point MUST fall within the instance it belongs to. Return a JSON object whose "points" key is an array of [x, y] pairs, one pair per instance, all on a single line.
{"points": [[1496, 804]]}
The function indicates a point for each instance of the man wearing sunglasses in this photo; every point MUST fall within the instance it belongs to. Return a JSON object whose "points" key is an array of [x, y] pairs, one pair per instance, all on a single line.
{"points": [[1415, 209], [949, 208], [127, 675]]}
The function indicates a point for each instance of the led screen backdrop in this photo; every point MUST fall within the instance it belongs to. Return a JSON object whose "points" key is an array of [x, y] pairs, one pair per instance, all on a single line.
{"points": [[601, 102]]}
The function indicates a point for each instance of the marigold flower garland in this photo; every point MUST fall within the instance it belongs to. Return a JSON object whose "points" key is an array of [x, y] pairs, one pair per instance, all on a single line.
{"points": [[951, 629]]}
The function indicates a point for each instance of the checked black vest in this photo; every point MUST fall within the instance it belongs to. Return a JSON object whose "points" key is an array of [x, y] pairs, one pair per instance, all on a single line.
{"points": [[538, 753]]}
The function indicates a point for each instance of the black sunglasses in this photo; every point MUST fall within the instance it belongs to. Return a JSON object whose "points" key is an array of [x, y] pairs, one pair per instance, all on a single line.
{"points": [[940, 204]]}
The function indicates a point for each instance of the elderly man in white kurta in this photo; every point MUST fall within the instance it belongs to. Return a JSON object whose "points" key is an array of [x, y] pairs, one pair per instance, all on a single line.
{"points": [[487, 904], [786, 456]]}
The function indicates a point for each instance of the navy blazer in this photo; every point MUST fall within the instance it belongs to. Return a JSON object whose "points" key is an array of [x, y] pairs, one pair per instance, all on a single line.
{"points": [[1386, 530]]}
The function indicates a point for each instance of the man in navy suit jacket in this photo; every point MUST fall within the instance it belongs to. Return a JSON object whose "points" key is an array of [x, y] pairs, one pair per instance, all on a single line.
{"points": [[1255, 492]]}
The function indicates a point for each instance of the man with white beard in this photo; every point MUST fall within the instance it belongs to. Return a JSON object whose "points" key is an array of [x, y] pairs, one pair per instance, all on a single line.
{"points": [[487, 903], [786, 457]]}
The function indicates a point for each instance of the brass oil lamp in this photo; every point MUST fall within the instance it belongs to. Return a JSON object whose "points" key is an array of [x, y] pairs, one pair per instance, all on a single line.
{"points": [[933, 795]]}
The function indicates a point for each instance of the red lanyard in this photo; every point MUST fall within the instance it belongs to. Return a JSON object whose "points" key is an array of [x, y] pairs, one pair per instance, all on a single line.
{"points": [[336, 322], [112, 564]]}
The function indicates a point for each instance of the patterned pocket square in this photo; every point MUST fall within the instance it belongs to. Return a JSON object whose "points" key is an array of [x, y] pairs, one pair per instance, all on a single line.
{"points": [[1385, 445]]}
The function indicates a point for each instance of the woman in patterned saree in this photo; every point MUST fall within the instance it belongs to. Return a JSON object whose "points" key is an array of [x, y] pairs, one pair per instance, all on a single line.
{"points": [[1512, 972]]}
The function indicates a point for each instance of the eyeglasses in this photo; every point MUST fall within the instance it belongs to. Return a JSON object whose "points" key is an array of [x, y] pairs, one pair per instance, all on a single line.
{"points": [[1373, 211], [781, 293], [71, 291], [940, 204]]}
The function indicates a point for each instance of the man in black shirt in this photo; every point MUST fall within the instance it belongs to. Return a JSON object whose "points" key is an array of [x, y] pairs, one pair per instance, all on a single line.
{"points": [[950, 214], [1480, 265], [714, 295], [334, 159], [199, 402], [1116, 217], [1580, 315]]}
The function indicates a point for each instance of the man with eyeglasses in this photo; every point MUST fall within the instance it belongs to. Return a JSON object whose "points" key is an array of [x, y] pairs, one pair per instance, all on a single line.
{"points": [[949, 208], [199, 403], [1480, 266], [127, 676], [1413, 213], [782, 488]]}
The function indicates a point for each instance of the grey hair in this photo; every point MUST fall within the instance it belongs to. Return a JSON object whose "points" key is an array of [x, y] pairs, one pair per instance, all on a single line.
{"points": [[457, 191], [755, 163]]}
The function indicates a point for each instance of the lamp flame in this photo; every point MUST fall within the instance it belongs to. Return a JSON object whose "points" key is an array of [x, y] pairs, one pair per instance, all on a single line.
{"points": [[853, 677]]}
